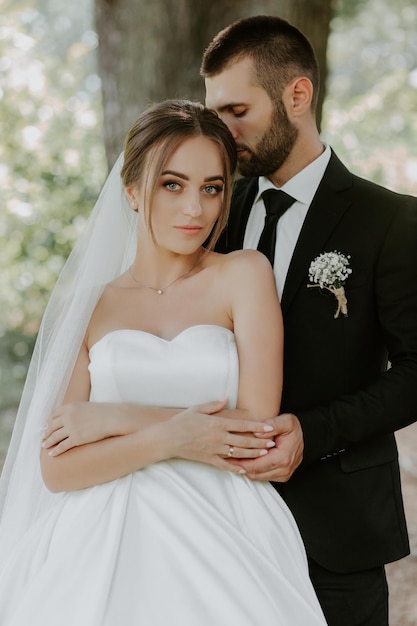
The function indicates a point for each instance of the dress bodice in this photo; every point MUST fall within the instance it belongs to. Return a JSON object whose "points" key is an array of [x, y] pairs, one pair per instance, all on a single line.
{"points": [[200, 364]]}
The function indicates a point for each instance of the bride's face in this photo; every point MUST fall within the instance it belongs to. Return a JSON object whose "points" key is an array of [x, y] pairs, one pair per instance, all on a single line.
{"points": [[188, 196]]}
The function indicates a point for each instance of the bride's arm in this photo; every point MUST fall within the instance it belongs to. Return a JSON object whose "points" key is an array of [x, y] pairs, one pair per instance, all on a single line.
{"points": [[79, 421], [158, 434], [206, 439], [259, 334]]}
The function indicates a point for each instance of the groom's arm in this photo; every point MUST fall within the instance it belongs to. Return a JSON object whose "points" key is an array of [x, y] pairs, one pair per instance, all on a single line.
{"points": [[390, 401]]}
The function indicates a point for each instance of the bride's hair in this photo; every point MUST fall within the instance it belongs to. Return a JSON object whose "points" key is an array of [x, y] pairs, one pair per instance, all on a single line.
{"points": [[105, 249], [155, 136]]}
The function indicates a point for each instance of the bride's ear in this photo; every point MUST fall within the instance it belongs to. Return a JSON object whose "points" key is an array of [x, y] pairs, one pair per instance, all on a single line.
{"points": [[131, 193]]}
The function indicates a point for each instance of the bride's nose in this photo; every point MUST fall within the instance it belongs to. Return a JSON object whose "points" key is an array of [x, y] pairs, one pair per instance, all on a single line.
{"points": [[192, 205]]}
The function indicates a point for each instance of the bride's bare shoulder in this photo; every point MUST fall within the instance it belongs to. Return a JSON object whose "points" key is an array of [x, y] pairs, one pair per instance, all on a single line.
{"points": [[243, 261], [244, 272], [112, 296], [119, 287]]}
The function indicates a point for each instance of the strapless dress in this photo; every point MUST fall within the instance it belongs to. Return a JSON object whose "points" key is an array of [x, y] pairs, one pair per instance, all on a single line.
{"points": [[178, 543]]}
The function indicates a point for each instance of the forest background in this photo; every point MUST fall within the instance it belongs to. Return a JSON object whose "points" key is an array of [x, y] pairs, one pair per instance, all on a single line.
{"points": [[55, 148]]}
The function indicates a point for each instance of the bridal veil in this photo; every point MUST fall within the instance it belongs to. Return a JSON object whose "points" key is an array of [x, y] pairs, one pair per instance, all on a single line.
{"points": [[104, 250]]}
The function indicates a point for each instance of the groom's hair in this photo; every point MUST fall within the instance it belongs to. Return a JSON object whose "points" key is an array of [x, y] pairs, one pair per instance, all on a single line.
{"points": [[279, 51]]}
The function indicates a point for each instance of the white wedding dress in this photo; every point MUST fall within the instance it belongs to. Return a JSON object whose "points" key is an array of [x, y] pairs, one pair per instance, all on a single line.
{"points": [[178, 543]]}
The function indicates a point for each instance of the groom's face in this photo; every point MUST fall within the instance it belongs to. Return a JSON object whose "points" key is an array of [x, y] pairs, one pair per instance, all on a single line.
{"points": [[263, 133]]}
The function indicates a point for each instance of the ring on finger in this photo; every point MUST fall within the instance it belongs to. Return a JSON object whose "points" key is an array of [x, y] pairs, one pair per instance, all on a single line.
{"points": [[231, 450]]}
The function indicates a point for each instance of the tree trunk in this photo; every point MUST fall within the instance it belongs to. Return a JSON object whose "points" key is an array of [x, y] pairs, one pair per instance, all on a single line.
{"points": [[151, 50]]}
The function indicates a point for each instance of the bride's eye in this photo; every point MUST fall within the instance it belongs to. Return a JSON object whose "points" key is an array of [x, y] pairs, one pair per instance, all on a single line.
{"points": [[171, 185], [213, 190]]}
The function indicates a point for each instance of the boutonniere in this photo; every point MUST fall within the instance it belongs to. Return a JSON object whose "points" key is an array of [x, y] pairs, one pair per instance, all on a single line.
{"points": [[330, 271]]}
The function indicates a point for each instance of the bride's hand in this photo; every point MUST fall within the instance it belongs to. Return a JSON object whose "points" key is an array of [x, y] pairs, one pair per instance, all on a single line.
{"points": [[198, 434], [78, 423], [287, 455]]}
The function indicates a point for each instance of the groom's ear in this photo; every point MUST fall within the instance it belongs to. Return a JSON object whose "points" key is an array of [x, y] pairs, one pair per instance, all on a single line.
{"points": [[298, 96]]}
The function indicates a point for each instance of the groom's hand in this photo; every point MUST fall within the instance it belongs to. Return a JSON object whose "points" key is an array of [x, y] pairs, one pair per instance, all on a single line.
{"points": [[281, 462]]}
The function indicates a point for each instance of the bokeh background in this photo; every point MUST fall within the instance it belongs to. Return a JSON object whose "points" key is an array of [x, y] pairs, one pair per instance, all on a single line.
{"points": [[53, 161]]}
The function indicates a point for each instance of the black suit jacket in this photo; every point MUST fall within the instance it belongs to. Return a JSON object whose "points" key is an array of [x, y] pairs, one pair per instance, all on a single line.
{"points": [[346, 495]]}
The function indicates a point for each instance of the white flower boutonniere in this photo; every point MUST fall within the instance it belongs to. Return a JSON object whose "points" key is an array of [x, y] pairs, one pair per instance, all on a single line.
{"points": [[330, 271]]}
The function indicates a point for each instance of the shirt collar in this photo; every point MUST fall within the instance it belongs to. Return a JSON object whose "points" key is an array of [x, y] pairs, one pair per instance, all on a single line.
{"points": [[303, 185]]}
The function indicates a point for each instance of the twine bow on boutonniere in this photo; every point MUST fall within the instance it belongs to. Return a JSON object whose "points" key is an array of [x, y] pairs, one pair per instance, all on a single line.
{"points": [[330, 271]]}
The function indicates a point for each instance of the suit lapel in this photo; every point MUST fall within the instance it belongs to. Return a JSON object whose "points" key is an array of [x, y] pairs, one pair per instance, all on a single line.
{"points": [[325, 212]]}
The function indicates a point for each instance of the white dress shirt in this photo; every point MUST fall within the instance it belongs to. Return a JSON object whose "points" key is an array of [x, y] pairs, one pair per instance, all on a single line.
{"points": [[302, 187]]}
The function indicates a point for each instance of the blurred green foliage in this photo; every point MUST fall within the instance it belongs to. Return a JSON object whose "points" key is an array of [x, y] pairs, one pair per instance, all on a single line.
{"points": [[51, 163], [52, 160], [370, 113]]}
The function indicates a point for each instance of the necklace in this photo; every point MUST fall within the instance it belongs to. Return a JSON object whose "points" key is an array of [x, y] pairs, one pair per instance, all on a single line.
{"points": [[161, 291]]}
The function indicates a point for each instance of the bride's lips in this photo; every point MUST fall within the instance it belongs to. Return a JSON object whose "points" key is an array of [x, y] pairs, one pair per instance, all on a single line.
{"points": [[189, 229]]}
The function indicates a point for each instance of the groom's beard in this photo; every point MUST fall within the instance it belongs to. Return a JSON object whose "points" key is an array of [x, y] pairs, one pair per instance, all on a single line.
{"points": [[273, 149]]}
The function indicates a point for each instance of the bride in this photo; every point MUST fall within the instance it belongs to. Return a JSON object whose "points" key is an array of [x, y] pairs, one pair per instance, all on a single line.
{"points": [[157, 366]]}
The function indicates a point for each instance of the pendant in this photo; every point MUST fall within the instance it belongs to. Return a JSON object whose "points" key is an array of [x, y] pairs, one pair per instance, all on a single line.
{"points": [[159, 292]]}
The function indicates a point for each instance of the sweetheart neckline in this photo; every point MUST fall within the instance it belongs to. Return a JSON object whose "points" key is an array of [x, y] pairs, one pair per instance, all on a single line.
{"points": [[157, 337]]}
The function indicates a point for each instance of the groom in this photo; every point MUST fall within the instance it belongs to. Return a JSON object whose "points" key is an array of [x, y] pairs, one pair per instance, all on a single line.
{"points": [[335, 462]]}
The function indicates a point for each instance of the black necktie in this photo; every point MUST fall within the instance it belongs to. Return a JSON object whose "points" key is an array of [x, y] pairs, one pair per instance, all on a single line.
{"points": [[276, 203]]}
